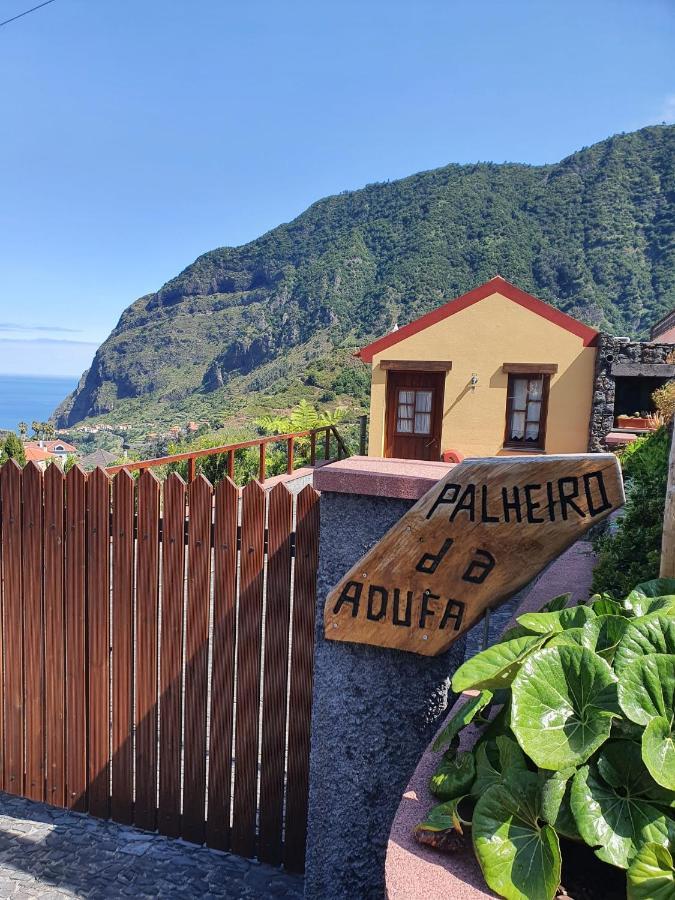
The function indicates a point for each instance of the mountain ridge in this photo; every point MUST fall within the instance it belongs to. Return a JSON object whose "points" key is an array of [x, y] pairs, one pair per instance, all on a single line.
{"points": [[252, 328]]}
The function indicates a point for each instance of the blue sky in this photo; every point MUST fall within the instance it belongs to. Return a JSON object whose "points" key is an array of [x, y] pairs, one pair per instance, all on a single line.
{"points": [[137, 134]]}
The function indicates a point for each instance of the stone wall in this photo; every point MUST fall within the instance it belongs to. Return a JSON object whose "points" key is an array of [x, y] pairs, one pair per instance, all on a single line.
{"points": [[374, 712], [613, 351]]}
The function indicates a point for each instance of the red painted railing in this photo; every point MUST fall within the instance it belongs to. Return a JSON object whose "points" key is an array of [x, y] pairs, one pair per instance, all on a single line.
{"points": [[314, 434]]}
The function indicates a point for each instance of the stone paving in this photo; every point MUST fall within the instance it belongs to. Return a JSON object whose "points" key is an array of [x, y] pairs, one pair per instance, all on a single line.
{"points": [[49, 853]]}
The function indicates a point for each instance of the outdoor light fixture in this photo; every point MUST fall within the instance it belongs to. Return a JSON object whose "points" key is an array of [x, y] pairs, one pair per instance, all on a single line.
{"points": [[474, 381]]}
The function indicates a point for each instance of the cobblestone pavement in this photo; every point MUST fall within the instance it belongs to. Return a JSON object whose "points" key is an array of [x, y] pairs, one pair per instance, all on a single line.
{"points": [[48, 853]]}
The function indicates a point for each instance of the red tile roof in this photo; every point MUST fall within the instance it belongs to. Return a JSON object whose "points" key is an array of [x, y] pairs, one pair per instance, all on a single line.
{"points": [[36, 454], [494, 285], [51, 446]]}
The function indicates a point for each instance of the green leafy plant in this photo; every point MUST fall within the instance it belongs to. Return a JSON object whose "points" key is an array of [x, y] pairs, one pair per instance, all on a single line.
{"points": [[12, 448], [632, 553], [302, 417], [574, 713]]}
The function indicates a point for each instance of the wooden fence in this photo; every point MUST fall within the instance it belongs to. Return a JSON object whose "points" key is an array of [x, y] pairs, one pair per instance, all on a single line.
{"points": [[157, 653]]}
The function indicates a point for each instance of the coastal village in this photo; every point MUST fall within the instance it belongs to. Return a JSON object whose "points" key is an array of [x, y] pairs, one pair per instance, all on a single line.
{"points": [[65, 447]]}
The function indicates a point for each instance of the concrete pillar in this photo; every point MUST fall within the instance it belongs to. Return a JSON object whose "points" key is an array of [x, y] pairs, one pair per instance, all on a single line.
{"points": [[374, 710]]}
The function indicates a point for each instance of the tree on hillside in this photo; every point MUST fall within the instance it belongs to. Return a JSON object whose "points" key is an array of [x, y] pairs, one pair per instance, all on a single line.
{"points": [[13, 449], [23, 428], [37, 428], [48, 430]]}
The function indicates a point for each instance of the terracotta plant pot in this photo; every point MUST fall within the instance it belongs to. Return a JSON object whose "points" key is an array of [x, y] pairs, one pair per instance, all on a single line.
{"points": [[635, 422]]}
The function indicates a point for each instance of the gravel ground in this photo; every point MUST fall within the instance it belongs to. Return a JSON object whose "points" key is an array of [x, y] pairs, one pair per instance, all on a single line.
{"points": [[49, 853]]}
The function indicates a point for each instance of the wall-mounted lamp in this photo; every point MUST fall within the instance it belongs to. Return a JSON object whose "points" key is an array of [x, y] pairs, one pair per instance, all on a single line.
{"points": [[474, 381]]}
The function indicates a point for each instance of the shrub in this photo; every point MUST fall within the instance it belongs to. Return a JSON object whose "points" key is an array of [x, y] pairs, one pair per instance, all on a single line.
{"points": [[664, 401], [632, 554], [13, 449], [576, 707]]}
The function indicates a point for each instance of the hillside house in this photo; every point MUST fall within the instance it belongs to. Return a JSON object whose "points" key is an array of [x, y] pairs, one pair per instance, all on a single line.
{"points": [[499, 372], [38, 456], [58, 449]]}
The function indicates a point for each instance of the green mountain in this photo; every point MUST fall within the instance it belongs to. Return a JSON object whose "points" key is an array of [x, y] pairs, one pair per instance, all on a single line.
{"points": [[249, 329]]}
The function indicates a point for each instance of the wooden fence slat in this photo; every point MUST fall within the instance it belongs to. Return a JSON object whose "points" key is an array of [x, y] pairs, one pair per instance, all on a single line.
{"points": [[200, 494], [273, 739], [98, 628], [248, 670], [11, 627], [33, 632], [122, 647], [300, 695], [76, 662], [222, 674], [147, 598], [171, 654], [54, 623]]}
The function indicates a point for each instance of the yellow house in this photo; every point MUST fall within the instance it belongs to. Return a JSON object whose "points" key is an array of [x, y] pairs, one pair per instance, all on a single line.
{"points": [[494, 372]]}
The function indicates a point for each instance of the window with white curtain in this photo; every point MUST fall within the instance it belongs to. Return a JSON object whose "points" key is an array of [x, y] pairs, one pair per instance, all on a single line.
{"points": [[526, 414], [413, 411]]}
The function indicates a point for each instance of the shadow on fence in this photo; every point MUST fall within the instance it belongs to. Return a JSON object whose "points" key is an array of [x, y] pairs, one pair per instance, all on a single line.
{"points": [[157, 648]]}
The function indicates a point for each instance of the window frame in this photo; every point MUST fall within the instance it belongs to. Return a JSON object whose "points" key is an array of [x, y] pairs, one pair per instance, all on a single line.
{"points": [[430, 412], [525, 445]]}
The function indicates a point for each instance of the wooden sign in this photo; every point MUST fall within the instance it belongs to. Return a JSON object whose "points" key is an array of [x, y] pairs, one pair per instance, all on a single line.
{"points": [[476, 538]]}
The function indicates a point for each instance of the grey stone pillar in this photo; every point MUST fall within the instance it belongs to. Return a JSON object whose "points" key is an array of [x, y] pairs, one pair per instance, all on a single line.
{"points": [[374, 712]]}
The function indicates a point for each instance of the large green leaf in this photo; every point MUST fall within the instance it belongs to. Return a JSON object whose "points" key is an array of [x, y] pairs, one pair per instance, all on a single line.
{"points": [[563, 702], [556, 603], [621, 765], [444, 817], [465, 714], [617, 805], [555, 802], [602, 605], [496, 758], [551, 622], [604, 634], [651, 875], [650, 596], [625, 730], [658, 751], [515, 631], [647, 688], [519, 855], [454, 776], [601, 635], [571, 637], [488, 772], [496, 667], [657, 587], [653, 634]]}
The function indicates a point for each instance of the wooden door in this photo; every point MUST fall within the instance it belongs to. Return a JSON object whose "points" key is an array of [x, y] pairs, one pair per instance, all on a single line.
{"points": [[414, 415]]}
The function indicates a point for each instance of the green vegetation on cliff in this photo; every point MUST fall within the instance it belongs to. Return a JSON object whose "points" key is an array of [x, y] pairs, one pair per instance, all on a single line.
{"points": [[248, 330]]}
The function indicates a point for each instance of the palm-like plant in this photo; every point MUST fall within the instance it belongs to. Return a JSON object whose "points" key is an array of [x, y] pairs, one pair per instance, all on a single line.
{"points": [[303, 417]]}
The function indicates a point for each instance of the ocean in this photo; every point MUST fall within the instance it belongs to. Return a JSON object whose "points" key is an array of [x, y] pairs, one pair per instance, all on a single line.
{"points": [[30, 397]]}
